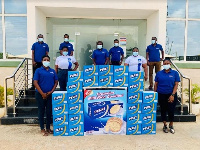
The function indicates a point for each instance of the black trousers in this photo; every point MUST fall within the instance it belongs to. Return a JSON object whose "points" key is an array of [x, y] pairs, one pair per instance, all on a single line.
{"points": [[167, 107], [115, 63], [38, 65], [63, 78]]}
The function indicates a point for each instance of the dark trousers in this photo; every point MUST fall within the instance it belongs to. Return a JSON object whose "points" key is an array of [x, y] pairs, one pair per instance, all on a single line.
{"points": [[63, 78], [38, 65], [167, 107], [44, 105], [115, 63]]}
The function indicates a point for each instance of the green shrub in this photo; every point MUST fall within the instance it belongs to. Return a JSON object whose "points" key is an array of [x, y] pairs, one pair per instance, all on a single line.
{"points": [[9, 92], [194, 93]]}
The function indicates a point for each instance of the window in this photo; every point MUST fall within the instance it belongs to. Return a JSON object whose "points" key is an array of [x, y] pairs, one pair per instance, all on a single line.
{"points": [[176, 8], [194, 8], [15, 6], [0, 7], [1, 40]]}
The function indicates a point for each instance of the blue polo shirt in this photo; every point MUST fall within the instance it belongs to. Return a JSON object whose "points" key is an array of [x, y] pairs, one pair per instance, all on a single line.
{"points": [[166, 81], [116, 53], [40, 50], [46, 78], [100, 56], [154, 52], [68, 45]]}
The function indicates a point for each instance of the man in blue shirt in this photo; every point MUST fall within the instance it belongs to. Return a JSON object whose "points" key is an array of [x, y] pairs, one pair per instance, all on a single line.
{"points": [[153, 59], [100, 55], [116, 53], [67, 44]]}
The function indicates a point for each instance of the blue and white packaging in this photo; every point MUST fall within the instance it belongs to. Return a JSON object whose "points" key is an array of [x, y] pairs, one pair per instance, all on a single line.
{"points": [[59, 97], [74, 98], [75, 76], [60, 119], [73, 87], [148, 108], [76, 130], [135, 87], [135, 97], [106, 81], [150, 97], [148, 118], [61, 130], [136, 76], [120, 81], [120, 70], [134, 108], [134, 129], [76, 119], [90, 81], [60, 109], [105, 70], [134, 118], [149, 128], [90, 70], [75, 108]]}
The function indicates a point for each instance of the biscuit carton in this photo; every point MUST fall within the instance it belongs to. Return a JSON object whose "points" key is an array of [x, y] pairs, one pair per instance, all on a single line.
{"points": [[60, 109], [134, 118], [75, 108], [150, 97], [90, 70], [135, 87], [134, 129], [148, 118], [148, 108], [60, 119], [76, 119], [61, 130], [76, 130], [135, 97], [149, 128], [75, 76], [105, 70], [90, 81], [73, 87], [136, 76], [120, 81], [120, 70], [106, 81], [134, 108], [74, 98], [59, 97]]}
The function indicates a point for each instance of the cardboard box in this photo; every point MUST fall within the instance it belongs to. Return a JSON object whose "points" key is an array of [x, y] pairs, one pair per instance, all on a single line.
{"points": [[60, 119], [150, 97], [60, 109], [73, 87], [75, 76], [90, 70], [134, 108], [148, 118], [134, 129], [135, 97], [75, 108], [149, 128], [148, 108], [106, 81], [74, 98], [120, 81], [135, 87], [121, 70], [136, 76], [76, 119], [76, 130], [59, 97], [134, 118], [105, 70], [61, 130], [90, 81]]}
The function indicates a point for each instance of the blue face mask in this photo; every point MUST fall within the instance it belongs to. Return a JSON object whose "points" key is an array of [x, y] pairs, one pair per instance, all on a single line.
{"points": [[166, 67], [135, 53], [46, 63], [116, 44], [65, 53], [99, 46], [153, 41], [66, 39], [40, 39]]}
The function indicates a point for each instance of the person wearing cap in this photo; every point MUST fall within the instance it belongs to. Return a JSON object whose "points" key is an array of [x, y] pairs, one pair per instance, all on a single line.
{"points": [[100, 56], [137, 63], [116, 53], [67, 44]]}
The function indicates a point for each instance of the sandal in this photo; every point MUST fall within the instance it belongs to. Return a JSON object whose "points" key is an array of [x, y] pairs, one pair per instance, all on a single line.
{"points": [[44, 133], [49, 131]]}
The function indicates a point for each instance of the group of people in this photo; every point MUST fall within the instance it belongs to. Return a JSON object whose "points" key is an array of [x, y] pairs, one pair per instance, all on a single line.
{"points": [[45, 79]]}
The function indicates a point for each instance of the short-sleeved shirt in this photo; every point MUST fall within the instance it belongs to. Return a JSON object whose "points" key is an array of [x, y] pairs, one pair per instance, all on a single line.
{"points": [[40, 50], [100, 56], [166, 81], [68, 45], [65, 62], [116, 53], [135, 63], [154, 52], [46, 78]]}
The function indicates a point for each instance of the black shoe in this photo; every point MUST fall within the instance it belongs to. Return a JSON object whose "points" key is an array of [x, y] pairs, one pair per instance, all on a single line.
{"points": [[150, 88], [171, 129], [165, 129], [32, 88]]}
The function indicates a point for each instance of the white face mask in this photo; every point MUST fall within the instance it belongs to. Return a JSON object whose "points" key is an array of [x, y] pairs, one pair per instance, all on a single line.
{"points": [[46, 63], [153, 41], [135, 53], [166, 67], [116, 44], [40, 39], [99, 46], [66, 39], [65, 53]]}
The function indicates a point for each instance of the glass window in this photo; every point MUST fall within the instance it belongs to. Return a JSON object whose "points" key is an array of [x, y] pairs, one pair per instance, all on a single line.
{"points": [[176, 8], [1, 40], [15, 6], [0, 7], [194, 9], [175, 39], [16, 35]]}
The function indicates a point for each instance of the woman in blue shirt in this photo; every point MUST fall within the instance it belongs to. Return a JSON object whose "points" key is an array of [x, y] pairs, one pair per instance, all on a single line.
{"points": [[45, 81], [166, 84]]}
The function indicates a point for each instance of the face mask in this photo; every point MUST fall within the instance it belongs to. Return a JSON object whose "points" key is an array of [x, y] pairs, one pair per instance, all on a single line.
{"points": [[153, 41], [99, 46], [66, 39], [135, 53], [166, 67], [40, 39], [46, 63], [65, 53], [116, 44]]}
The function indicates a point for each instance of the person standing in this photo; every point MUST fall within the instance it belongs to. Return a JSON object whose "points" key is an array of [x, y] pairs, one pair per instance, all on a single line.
{"points": [[45, 81], [116, 53], [137, 63], [166, 84], [100, 56], [63, 64], [153, 59], [67, 44]]}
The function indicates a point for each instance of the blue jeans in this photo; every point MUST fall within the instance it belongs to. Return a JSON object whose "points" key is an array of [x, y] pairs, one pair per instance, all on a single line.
{"points": [[63, 78], [44, 104]]}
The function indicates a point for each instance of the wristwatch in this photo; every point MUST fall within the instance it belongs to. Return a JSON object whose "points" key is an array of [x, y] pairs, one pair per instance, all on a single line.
{"points": [[172, 94]]}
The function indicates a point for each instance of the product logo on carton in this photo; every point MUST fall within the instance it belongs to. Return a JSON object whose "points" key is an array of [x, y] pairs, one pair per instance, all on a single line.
{"points": [[58, 108], [103, 69], [73, 97], [59, 129], [89, 80], [132, 107], [134, 86], [132, 128], [99, 110], [58, 119], [74, 107], [105, 95], [72, 86], [134, 75], [146, 128], [74, 118], [89, 69], [132, 97], [57, 97], [74, 129], [132, 118], [147, 107], [148, 96], [146, 118], [73, 75], [104, 79], [119, 80], [119, 69]]}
